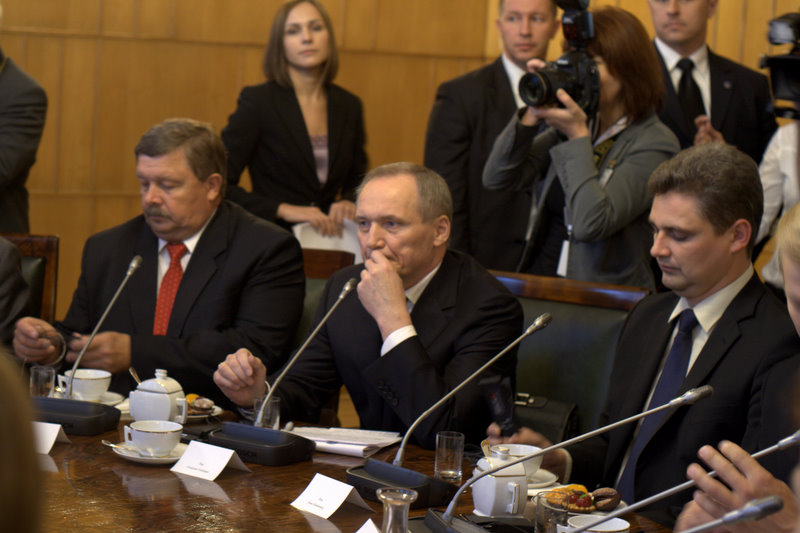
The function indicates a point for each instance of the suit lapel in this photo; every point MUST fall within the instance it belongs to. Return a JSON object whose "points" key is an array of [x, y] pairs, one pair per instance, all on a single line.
{"points": [[722, 84], [499, 91], [288, 109], [201, 268], [143, 283], [431, 312]]}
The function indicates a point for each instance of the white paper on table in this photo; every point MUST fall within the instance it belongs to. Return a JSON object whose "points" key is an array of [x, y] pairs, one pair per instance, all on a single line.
{"points": [[369, 527], [207, 461], [324, 495], [308, 237], [46, 434], [344, 441]]}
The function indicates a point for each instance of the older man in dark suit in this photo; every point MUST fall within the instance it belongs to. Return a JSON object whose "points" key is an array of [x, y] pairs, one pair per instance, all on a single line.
{"points": [[701, 84], [23, 106], [213, 277], [468, 114], [719, 326], [423, 320]]}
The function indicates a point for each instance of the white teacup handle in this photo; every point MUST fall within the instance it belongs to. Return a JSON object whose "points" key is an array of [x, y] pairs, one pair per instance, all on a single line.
{"points": [[128, 435], [513, 507], [183, 408]]}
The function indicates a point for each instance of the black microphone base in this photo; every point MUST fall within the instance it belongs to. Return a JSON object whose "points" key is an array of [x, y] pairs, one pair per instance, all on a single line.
{"points": [[76, 416], [374, 474], [264, 446], [436, 524]]}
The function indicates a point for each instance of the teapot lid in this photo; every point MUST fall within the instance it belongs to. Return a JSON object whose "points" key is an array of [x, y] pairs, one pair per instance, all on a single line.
{"points": [[160, 383]]}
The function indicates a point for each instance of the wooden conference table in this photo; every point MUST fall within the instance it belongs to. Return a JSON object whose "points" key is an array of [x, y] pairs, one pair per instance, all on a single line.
{"points": [[90, 488]]}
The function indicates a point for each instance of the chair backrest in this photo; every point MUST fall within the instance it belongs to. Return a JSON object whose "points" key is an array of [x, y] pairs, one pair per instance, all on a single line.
{"points": [[571, 359], [40, 270]]}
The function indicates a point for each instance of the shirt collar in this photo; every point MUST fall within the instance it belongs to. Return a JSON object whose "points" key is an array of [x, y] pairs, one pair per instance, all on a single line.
{"points": [[699, 57], [514, 74], [710, 310], [415, 291], [191, 242]]}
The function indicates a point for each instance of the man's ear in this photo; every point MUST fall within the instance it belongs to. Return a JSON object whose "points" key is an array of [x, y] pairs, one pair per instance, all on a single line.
{"points": [[441, 228], [741, 231], [214, 186]]}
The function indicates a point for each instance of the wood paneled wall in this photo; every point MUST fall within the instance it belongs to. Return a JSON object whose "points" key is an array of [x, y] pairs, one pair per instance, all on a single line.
{"points": [[112, 68]]}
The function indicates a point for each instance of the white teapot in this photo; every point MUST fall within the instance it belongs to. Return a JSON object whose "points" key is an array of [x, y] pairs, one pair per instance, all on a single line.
{"points": [[159, 398], [503, 493]]}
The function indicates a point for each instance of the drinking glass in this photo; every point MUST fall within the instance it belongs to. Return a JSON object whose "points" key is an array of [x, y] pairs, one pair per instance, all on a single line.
{"points": [[43, 379], [449, 455]]}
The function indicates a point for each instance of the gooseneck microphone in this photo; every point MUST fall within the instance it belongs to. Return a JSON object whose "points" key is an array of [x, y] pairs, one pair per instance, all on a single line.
{"points": [[347, 289], [269, 446], [135, 263], [445, 521], [786, 442], [431, 492], [752, 510]]}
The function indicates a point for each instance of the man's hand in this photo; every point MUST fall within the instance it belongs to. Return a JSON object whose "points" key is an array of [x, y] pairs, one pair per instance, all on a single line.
{"points": [[382, 295], [706, 132], [747, 480], [36, 341], [241, 378], [554, 461], [109, 351]]}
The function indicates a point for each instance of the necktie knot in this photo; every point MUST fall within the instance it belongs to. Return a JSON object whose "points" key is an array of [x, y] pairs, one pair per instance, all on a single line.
{"points": [[687, 321], [686, 65], [176, 251]]}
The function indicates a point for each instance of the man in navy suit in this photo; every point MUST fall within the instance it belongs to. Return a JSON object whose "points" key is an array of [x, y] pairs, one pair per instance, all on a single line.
{"points": [[236, 280], [468, 114], [735, 98], [424, 318], [707, 204]]}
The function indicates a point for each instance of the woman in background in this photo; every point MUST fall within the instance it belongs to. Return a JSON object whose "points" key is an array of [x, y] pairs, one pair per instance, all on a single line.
{"points": [[301, 137], [588, 175]]}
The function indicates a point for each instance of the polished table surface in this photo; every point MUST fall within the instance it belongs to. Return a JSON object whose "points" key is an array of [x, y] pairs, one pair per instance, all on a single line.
{"points": [[88, 487]]}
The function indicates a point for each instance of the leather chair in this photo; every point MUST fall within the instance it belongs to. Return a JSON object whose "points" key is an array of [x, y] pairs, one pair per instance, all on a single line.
{"points": [[571, 359], [40, 270]]}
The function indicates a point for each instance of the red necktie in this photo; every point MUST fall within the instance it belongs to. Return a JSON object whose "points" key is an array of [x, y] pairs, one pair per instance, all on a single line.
{"points": [[169, 288]]}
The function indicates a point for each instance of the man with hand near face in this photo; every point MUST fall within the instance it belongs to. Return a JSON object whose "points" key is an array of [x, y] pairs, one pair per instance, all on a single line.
{"points": [[422, 320], [213, 277], [467, 116], [711, 99]]}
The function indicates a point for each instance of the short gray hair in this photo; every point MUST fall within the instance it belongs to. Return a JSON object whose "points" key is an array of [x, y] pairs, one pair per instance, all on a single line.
{"points": [[434, 195]]}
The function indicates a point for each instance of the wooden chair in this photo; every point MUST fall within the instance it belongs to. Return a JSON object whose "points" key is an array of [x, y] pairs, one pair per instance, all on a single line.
{"points": [[319, 265], [571, 359], [40, 270]]}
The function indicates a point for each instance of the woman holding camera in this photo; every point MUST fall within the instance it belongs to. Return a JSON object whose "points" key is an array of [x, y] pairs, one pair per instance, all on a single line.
{"points": [[301, 136], [588, 175]]}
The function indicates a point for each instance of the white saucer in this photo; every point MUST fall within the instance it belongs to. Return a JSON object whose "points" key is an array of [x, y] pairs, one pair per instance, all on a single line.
{"points": [[542, 478], [215, 411], [111, 398], [131, 455]]}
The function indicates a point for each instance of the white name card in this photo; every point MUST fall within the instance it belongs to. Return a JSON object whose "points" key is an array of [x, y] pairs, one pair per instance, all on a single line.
{"points": [[46, 434], [369, 527], [207, 461], [324, 495]]}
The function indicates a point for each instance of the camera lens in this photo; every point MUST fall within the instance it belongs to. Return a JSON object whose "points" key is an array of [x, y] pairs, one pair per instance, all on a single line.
{"points": [[534, 89]]}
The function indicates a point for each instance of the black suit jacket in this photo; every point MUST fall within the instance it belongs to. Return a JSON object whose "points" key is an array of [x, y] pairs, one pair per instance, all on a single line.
{"points": [[467, 116], [243, 287], [14, 293], [749, 359], [740, 107], [463, 318], [23, 106], [267, 134]]}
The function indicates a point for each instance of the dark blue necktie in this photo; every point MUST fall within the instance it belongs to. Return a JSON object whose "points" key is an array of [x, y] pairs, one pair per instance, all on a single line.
{"points": [[689, 94], [667, 388]]}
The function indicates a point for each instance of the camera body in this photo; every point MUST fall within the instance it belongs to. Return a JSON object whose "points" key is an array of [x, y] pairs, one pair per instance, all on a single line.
{"points": [[575, 71], [785, 69]]}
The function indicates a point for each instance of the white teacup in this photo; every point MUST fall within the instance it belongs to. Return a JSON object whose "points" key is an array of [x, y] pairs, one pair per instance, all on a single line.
{"points": [[515, 451], [615, 525], [89, 383], [153, 437]]}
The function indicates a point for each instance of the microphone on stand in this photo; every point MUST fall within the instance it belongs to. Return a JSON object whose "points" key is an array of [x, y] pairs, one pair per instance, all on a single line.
{"points": [[786, 442], [446, 523], [752, 510], [135, 263], [431, 491], [269, 446], [76, 416]]}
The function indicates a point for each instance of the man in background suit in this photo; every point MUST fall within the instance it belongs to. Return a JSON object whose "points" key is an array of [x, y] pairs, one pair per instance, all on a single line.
{"points": [[736, 98], [707, 204], [14, 293], [424, 319], [23, 106], [243, 283], [468, 114]]}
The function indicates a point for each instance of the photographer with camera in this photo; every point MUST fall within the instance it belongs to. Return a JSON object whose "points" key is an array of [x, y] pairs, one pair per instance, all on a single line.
{"points": [[588, 170]]}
